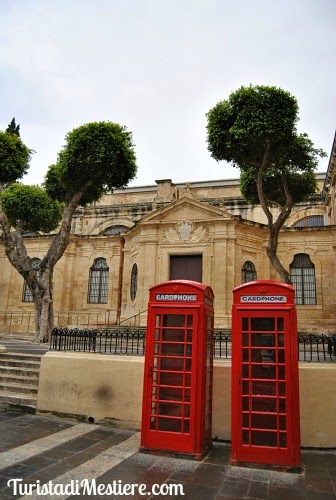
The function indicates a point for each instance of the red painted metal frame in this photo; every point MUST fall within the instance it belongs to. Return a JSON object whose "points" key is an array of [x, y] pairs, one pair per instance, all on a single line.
{"points": [[265, 382], [178, 373]]}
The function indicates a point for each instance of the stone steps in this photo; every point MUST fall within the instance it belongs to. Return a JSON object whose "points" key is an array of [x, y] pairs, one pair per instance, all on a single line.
{"points": [[19, 378]]}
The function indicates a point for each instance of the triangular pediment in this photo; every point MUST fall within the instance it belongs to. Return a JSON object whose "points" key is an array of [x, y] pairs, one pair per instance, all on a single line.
{"points": [[187, 209]]}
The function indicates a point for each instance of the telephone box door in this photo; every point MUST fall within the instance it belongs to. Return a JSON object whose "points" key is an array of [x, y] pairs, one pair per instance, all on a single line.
{"points": [[263, 427], [170, 383]]}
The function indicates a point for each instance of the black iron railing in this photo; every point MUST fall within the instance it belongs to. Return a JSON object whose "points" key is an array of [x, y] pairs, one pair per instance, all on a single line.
{"points": [[131, 341]]}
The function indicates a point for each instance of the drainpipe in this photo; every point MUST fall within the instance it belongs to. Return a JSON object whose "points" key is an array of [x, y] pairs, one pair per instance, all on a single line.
{"points": [[120, 279]]}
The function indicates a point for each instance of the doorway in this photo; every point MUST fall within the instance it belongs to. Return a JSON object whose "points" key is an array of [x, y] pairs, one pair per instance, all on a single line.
{"points": [[186, 267]]}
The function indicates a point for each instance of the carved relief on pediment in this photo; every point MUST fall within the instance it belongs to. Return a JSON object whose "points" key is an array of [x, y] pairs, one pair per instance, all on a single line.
{"points": [[184, 232]]}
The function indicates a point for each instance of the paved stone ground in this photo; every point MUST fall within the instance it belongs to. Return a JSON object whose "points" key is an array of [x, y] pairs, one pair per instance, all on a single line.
{"points": [[39, 449]]}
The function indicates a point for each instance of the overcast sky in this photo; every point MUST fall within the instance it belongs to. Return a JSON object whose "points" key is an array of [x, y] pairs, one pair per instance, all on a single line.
{"points": [[158, 66]]}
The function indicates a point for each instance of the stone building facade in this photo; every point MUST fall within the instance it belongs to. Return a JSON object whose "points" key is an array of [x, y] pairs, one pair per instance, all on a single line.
{"points": [[140, 236]]}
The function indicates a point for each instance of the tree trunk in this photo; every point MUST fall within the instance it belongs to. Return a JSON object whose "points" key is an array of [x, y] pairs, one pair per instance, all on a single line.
{"points": [[43, 302]]}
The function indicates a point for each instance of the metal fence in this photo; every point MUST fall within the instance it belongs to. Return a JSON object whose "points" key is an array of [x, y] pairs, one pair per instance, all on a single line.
{"points": [[131, 341]]}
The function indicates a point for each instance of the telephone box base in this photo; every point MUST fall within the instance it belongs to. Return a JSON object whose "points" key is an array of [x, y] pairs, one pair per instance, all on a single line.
{"points": [[277, 468], [174, 454]]}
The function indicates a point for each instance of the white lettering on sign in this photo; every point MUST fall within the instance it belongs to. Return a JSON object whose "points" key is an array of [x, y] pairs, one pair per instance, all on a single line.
{"points": [[263, 298], [176, 297]]}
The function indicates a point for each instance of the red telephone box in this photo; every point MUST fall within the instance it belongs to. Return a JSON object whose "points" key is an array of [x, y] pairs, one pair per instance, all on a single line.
{"points": [[177, 394], [265, 382]]}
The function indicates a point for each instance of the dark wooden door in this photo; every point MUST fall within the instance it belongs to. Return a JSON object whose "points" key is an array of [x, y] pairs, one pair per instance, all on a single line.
{"points": [[186, 267]]}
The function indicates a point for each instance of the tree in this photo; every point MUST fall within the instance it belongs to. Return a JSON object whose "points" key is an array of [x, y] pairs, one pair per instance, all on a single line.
{"points": [[255, 131], [97, 157]]}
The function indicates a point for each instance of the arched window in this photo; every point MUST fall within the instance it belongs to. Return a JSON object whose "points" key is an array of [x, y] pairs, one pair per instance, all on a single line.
{"points": [[134, 281], [249, 272], [98, 282], [27, 295], [302, 274], [115, 230], [311, 221]]}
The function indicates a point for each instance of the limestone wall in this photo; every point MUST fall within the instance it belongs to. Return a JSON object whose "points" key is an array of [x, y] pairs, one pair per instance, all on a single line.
{"points": [[109, 388]]}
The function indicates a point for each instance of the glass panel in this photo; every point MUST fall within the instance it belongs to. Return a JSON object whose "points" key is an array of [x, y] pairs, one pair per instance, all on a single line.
{"points": [[264, 388], [170, 378], [174, 320], [282, 388], [263, 340], [281, 340], [283, 440], [170, 409], [246, 388], [245, 420], [245, 371], [172, 335], [264, 405], [264, 421], [245, 355], [282, 423], [263, 356], [261, 438], [281, 356], [245, 324], [172, 349], [189, 321], [281, 324], [245, 339], [169, 424], [263, 324], [282, 373], [262, 371], [282, 405], [168, 393], [173, 364], [186, 426], [245, 404], [246, 439]]}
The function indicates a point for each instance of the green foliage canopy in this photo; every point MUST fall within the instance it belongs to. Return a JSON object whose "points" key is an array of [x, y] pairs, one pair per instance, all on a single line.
{"points": [[14, 157], [256, 128], [97, 157], [31, 208]]}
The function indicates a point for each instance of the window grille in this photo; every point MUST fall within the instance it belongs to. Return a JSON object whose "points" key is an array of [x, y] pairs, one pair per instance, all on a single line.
{"points": [[311, 221], [27, 295], [134, 281], [249, 272], [98, 282], [115, 230], [302, 274]]}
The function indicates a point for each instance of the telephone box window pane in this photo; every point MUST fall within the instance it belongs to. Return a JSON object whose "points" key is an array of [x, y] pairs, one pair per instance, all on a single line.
{"points": [[245, 420], [189, 321], [261, 438], [170, 394], [282, 405], [264, 422], [263, 340], [172, 335], [170, 409], [186, 410], [263, 324], [281, 340], [245, 324], [264, 388], [282, 388], [172, 364], [263, 356], [265, 372], [170, 424], [282, 373], [282, 423], [176, 349], [264, 405], [245, 355], [186, 394], [281, 325], [156, 348], [186, 426], [171, 379], [281, 356], [246, 439], [245, 339], [283, 440], [245, 404], [187, 382], [245, 371], [246, 388], [177, 320]]}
